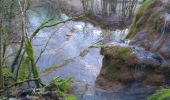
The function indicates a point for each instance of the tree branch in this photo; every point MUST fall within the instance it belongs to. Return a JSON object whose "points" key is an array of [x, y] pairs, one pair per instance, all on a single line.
{"points": [[18, 83]]}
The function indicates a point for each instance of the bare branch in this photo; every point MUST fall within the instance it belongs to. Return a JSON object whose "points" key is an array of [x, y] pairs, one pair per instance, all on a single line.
{"points": [[18, 83]]}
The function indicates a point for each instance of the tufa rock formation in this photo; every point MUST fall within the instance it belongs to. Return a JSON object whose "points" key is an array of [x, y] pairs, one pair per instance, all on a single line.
{"points": [[147, 59]]}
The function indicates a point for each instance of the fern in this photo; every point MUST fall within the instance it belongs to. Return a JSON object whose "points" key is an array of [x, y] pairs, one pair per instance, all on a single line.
{"points": [[67, 97], [6, 72], [61, 87]]}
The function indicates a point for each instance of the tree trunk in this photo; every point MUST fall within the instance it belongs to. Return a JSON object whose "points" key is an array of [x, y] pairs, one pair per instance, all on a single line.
{"points": [[1, 58]]}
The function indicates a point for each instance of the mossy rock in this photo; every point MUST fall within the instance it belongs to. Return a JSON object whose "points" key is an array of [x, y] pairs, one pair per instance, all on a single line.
{"points": [[116, 51], [115, 59], [140, 18]]}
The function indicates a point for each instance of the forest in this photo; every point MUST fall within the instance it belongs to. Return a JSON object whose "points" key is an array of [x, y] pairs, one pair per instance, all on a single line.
{"points": [[84, 49]]}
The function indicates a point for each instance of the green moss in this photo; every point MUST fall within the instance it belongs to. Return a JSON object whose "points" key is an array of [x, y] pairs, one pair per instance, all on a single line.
{"points": [[114, 72], [113, 62], [140, 18], [51, 69], [123, 50]]}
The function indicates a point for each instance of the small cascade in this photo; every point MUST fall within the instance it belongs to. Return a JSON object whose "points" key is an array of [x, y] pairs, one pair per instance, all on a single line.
{"points": [[114, 37], [163, 36]]}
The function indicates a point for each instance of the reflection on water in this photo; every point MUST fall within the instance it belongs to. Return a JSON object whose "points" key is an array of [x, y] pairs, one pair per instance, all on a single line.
{"points": [[67, 41], [71, 41]]}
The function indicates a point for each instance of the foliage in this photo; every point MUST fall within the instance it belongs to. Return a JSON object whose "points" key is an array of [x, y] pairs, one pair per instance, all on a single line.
{"points": [[163, 94], [23, 68], [6, 72], [62, 86], [29, 58]]}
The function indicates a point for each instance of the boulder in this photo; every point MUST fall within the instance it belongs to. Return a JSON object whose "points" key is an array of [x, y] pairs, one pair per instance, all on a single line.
{"points": [[147, 58], [128, 64]]}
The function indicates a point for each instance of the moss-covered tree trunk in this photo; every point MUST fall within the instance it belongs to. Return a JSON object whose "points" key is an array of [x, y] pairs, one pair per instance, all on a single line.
{"points": [[1, 58]]}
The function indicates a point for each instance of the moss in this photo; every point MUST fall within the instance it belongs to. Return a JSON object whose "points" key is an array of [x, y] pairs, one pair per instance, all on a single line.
{"points": [[54, 67], [140, 18], [123, 50], [49, 70], [110, 73], [113, 61]]}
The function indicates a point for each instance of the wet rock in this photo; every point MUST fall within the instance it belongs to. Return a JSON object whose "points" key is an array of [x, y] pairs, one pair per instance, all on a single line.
{"points": [[147, 59], [151, 32], [126, 78], [139, 76], [128, 64], [155, 80], [78, 88]]}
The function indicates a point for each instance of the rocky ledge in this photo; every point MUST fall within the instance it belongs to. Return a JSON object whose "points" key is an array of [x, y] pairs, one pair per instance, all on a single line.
{"points": [[147, 58], [128, 64]]}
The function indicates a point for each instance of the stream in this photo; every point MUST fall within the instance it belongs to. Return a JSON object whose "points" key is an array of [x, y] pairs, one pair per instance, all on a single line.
{"points": [[68, 53]]}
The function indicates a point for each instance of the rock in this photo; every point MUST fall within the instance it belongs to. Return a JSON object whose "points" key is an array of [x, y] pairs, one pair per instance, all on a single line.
{"points": [[126, 78], [147, 58], [78, 88], [139, 76], [155, 80], [152, 32], [128, 64]]}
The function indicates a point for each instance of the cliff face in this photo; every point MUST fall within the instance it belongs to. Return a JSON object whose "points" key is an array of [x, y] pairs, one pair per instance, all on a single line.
{"points": [[147, 59]]}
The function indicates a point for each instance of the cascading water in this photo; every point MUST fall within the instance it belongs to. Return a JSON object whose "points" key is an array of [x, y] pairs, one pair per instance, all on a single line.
{"points": [[158, 43]]}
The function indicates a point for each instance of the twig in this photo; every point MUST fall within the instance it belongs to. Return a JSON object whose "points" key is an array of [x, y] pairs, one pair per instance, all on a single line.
{"points": [[42, 51], [43, 25]]}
